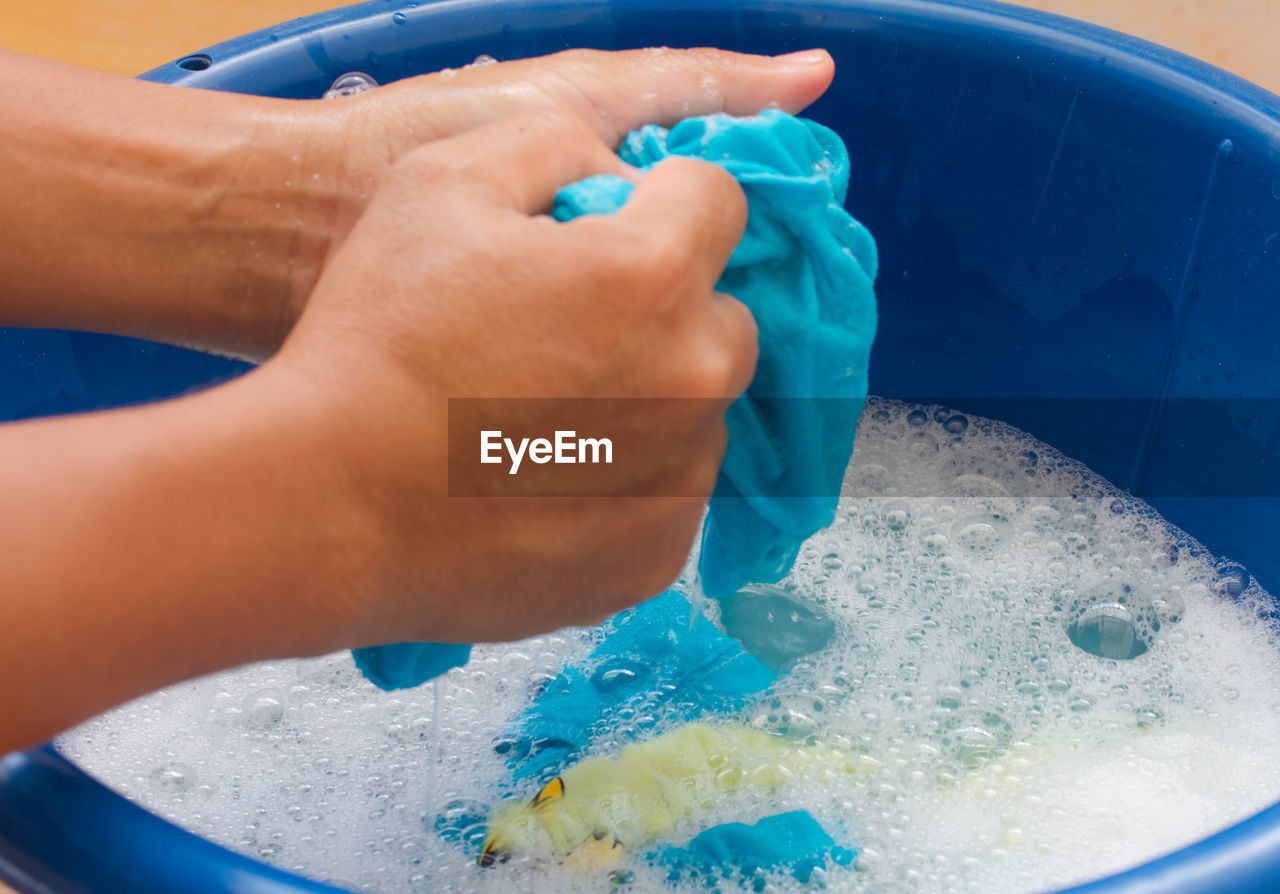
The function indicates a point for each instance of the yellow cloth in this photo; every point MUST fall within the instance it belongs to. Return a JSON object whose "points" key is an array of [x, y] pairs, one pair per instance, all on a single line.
{"points": [[640, 796]]}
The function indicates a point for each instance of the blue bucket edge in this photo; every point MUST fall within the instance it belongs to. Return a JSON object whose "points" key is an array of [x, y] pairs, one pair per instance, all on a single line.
{"points": [[42, 850]]}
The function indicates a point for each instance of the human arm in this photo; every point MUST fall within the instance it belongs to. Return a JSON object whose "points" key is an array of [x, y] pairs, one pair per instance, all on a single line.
{"points": [[204, 219], [305, 506]]}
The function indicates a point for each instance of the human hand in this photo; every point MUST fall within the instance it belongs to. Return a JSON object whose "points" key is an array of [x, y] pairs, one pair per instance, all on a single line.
{"points": [[452, 285], [613, 93], [305, 506], [204, 218]]}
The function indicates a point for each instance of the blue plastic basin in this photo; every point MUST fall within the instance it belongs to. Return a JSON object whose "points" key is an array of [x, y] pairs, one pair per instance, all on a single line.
{"points": [[1078, 233]]}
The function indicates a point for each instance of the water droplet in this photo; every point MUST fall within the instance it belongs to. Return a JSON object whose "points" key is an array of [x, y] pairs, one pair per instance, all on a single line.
{"points": [[348, 84], [513, 748], [400, 18], [618, 673]]}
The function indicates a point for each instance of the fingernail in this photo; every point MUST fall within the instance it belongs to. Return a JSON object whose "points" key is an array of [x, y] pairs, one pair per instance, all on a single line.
{"points": [[802, 58]]}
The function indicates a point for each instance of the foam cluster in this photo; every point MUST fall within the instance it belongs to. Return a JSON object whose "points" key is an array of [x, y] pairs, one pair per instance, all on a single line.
{"points": [[1039, 680]]}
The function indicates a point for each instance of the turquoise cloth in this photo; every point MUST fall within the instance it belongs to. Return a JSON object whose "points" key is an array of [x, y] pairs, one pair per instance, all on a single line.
{"points": [[805, 268], [792, 842], [652, 663], [405, 665]]}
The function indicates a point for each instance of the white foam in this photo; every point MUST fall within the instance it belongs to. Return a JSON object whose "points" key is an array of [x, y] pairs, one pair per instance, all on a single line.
{"points": [[999, 755]]}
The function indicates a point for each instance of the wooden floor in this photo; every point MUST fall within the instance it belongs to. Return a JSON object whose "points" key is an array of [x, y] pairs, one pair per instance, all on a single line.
{"points": [[131, 36]]}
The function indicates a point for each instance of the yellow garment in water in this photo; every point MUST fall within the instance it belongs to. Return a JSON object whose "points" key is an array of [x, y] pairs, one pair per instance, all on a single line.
{"points": [[640, 796]]}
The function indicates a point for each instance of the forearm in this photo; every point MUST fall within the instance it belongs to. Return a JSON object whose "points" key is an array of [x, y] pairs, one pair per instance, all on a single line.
{"points": [[150, 545], [186, 216]]}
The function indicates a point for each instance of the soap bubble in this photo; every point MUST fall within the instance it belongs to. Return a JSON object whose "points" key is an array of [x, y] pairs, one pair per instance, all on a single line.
{"points": [[1117, 621], [775, 626], [981, 531], [263, 709], [174, 778], [1233, 579], [1002, 681]]}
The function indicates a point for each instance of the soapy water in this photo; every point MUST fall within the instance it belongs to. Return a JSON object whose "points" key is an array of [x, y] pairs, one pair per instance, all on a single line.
{"points": [[1035, 690]]}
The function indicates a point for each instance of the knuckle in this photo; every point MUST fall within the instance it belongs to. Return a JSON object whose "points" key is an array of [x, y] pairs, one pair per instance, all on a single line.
{"points": [[721, 186], [661, 259], [709, 373], [714, 189]]}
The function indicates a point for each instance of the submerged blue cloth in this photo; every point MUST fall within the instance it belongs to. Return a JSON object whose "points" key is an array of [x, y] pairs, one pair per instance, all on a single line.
{"points": [[650, 660], [793, 842], [805, 268]]}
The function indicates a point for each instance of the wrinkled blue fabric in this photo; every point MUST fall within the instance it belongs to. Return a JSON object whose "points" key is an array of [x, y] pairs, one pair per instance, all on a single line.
{"points": [[792, 842], [650, 660], [405, 665], [805, 268]]}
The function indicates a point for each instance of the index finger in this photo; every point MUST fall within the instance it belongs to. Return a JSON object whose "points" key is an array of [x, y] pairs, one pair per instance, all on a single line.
{"points": [[615, 92]]}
